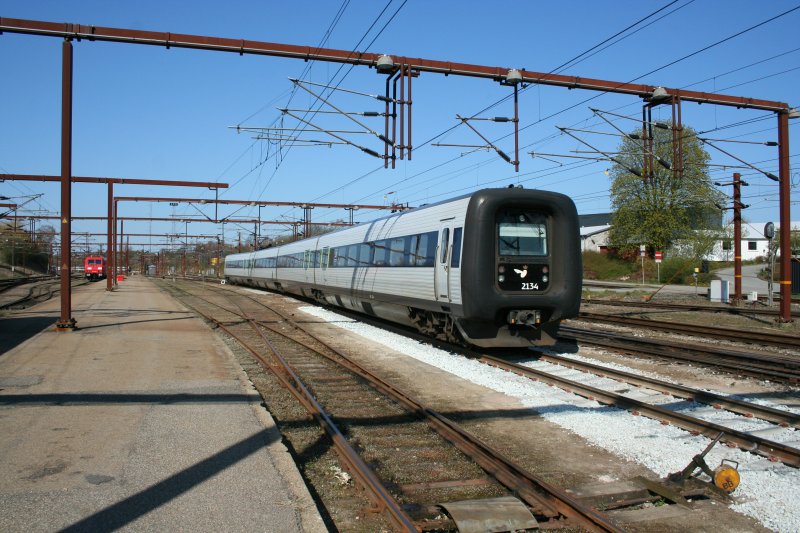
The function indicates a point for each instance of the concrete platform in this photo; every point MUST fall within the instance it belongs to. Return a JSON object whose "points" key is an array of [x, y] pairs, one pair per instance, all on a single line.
{"points": [[139, 420]]}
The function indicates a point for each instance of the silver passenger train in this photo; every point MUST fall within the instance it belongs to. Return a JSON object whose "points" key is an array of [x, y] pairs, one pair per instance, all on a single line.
{"points": [[494, 268]]}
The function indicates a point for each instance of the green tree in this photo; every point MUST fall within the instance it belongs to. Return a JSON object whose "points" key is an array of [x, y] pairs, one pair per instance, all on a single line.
{"points": [[658, 209]]}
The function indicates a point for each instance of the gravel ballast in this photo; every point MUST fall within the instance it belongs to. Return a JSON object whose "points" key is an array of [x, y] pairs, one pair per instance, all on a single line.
{"points": [[769, 492]]}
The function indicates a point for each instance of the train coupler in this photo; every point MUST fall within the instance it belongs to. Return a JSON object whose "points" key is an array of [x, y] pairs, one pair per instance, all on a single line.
{"points": [[524, 318]]}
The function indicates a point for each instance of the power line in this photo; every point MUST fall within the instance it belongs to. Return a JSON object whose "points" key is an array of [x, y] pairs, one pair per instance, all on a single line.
{"points": [[741, 68], [554, 70], [341, 66], [758, 79]]}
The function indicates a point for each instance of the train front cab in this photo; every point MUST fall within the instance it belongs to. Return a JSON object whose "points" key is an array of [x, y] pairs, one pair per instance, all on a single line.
{"points": [[522, 271], [94, 268]]}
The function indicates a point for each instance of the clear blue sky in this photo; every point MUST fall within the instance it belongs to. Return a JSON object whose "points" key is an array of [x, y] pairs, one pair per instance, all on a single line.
{"points": [[148, 112]]}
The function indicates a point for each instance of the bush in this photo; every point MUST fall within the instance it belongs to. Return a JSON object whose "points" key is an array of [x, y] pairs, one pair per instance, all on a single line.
{"points": [[678, 271], [601, 266]]}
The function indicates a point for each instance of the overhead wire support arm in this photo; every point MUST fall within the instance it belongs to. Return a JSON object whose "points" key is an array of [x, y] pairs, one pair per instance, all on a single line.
{"points": [[543, 154], [761, 143], [370, 130], [362, 148], [634, 137], [481, 146], [299, 142], [610, 157], [357, 113], [265, 129], [501, 153], [474, 147], [770, 175], [333, 88], [659, 125], [599, 132]]}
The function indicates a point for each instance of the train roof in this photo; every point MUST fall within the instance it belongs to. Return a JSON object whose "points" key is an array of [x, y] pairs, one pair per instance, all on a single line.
{"points": [[417, 209]]}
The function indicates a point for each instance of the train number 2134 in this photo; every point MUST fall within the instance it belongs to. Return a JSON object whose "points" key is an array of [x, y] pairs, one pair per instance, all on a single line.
{"points": [[530, 286]]}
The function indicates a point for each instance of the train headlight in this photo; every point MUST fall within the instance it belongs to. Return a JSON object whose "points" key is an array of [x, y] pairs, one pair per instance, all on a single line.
{"points": [[501, 278], [545, 279], [501, 269]]}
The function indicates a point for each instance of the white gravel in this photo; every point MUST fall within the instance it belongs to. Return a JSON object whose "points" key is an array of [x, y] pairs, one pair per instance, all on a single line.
{"points": [[769, 492]]}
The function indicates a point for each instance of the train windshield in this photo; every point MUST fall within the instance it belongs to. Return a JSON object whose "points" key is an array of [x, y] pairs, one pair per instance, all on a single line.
{"points": [[521, 233]]}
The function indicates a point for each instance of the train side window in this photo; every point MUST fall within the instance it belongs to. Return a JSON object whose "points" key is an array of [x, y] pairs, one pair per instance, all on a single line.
{"points": [[324, 258], [397, 250], [426, 249], [365, 254], [381, 253], [352, 255], [338, 255], [455, 260], [413, 251], [445, 241]]}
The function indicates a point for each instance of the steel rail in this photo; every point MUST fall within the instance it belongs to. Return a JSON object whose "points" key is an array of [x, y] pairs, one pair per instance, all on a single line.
{"points": [[750, 443], [737, 362], [771, 338], [367, 477], [777, 416], [525, 485], [378, 494], [770, 414], [754, 444], [6, 284], [686, 307], [77, 281]]}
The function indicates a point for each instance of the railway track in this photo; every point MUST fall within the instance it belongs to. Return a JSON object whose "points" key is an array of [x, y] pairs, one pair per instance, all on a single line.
{"points": [[747, 409], [6, 284], [750, 442], [782, 369], [751, 337], [33, 290], [662, 306], [407, 456]]}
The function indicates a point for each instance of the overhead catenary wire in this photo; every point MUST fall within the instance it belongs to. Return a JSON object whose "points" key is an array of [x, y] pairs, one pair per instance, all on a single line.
{"points": [[431, 139], [671, 63], [416, 175], [341, 66]]}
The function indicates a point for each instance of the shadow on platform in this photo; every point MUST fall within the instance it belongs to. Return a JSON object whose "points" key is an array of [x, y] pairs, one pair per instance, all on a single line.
{"points": [[15, 331], [129, 509]]}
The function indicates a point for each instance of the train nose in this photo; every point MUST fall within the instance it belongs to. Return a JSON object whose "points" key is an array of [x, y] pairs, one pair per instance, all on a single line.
{"points": [[524, 317]]}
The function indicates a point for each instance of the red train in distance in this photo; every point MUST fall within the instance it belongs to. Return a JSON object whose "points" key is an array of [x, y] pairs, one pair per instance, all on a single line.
{"points": [[94, 267]]}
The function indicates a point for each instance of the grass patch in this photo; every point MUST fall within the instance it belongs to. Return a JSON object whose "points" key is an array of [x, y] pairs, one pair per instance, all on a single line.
{"points": [[601, 266]]}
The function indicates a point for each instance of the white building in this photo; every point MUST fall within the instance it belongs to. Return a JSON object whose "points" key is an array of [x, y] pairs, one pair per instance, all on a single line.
{"points": [[754, 244], [594, 238]]}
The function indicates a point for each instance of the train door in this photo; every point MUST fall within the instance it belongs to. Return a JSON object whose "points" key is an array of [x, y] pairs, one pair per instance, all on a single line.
{"points": [[442, 269], [249, 264], [325, 262]]}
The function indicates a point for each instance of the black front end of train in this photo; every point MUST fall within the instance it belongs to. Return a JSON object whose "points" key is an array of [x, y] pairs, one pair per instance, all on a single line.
{"points": [[525, 272]]}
